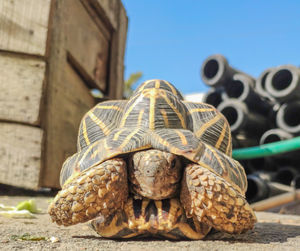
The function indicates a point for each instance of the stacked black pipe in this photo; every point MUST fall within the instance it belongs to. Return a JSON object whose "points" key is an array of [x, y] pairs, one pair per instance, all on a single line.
{"points": [[259, 111]]}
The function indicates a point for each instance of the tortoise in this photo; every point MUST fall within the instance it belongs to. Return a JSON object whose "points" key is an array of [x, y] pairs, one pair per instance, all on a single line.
{"points": [[154, 165]]}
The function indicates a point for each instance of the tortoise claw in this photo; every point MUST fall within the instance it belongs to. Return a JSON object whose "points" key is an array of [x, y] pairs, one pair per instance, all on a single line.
{"points": [[99, 189], [214, 201]]}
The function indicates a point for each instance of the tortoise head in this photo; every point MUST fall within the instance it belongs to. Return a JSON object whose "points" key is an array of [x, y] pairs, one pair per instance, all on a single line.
{"points": [[155, 174]]}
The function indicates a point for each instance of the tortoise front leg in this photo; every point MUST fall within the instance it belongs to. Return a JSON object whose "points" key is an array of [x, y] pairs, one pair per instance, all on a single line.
{"points": [[101, 189], [214, 201]]}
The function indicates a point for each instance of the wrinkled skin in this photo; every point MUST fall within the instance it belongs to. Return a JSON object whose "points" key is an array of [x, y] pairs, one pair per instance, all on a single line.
{"points": [[155, 174]]}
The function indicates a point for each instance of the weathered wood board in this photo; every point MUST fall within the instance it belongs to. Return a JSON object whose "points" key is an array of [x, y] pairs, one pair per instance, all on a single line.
{"points": [[52, 52], [70, 100], [110, 10], [24, 25], [85, 43], [20, 155], [21, 87]]}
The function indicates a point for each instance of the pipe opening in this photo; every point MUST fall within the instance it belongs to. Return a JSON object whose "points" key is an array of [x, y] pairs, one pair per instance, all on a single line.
{"points": [[258, 163], [282, 79], [271, 138], [297, 182], [252, 190], [230, 114], [263, 81], [292, 114], [211, 68], [214, 99], [284, 176], [235, 88]]}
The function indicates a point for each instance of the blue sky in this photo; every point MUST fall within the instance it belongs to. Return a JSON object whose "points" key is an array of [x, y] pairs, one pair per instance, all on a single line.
{"points": [[169, 39]]}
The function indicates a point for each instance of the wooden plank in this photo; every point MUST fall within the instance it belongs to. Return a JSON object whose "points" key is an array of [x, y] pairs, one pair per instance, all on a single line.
{"points": [[110, 10], [85, 43], [21, 85], [69, 99], [116, 75], [24, 26], [20, 155], [122, 34]]}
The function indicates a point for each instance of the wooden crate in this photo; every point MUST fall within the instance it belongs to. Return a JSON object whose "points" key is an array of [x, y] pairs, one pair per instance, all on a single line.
{"points": [[52, 53]]}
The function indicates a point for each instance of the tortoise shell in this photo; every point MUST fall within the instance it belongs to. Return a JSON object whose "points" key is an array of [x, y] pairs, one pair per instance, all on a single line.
{"points": [[156, 116]]}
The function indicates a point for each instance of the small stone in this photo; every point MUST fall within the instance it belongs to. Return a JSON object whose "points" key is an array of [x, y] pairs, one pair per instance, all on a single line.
{"points": [[204, 177], [54, 239]]}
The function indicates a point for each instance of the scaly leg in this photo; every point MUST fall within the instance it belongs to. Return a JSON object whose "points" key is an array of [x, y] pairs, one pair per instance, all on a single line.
{"points": [[101, 189], [214, 201]]}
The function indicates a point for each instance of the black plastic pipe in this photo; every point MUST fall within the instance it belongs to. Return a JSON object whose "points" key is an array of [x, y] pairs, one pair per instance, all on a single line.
{"points": [[214, 96], [215, 71], [283, 83], [274, 135], [257, 188], [260, 188], [241, 87], [288, 117], [260, 84], [296, 182], [285, 175], [241, 119]]}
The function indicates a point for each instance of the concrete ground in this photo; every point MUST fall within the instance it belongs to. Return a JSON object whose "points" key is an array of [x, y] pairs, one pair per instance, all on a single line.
{"points": [[272, 232]]}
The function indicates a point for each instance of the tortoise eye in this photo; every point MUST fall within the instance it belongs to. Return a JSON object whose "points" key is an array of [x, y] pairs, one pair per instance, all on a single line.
{"points": [[173, 163]]}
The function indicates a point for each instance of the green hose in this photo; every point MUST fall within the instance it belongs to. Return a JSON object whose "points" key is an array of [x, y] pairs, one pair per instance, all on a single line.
{"points": [[267, 149]]}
